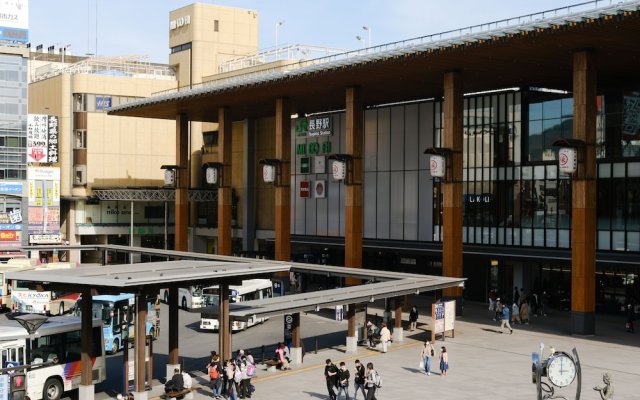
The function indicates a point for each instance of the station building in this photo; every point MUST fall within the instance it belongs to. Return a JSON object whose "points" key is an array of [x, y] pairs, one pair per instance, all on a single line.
{"points": [[493, 99]]}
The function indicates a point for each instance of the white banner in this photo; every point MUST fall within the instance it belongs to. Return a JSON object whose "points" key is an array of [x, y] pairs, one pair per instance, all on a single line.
{"points": [[15, 14]]}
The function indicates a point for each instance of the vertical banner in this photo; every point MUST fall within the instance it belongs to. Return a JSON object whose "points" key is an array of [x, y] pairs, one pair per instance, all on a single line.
{"points": [[42, 138], [288, 328], [44, 204]]}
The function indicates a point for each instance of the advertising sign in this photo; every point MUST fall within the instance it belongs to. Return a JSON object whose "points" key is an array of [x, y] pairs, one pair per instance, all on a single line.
{"points": [[11, 188], [30, 300], [42, 138], [44, 201], [288, 327], [14, 20], [444, 316], [4, 387], [305, 191], [103, 102]]}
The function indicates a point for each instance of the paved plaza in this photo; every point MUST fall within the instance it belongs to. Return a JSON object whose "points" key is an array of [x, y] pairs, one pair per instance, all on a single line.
{"points": [[484, 364]]}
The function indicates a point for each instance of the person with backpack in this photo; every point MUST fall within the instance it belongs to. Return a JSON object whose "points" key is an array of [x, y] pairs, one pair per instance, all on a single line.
{"points": [[244, 390], [505, 320], [373, 382], [229, 371], [215, 375], [343, 381], [331, 375], [358, 380]]}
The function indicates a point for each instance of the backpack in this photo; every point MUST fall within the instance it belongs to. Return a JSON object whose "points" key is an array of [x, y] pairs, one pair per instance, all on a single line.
{"points": [[251, 369], [378, 380], [237, 375], [213, 371]]}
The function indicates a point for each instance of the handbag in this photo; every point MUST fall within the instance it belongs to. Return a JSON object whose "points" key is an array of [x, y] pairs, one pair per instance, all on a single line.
{"points": [[421, 365]]}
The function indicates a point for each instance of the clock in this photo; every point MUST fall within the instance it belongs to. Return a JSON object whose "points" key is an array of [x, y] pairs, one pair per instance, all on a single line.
{"points": [[561, 369]]}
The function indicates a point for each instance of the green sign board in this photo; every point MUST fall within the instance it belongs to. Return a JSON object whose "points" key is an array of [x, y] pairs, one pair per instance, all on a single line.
{"points": [[305, 165]]}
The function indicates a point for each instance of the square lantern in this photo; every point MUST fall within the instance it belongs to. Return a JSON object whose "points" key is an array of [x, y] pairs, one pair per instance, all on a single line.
{"points": [[268, 173], [211, 175], [339, 170], [438, 161], [568, 160], [170, 175]]}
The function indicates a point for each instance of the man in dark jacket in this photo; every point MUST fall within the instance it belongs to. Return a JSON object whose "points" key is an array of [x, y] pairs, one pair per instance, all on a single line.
{"points": [[343, 380], [331, 375], [176, 383], [358, 381]]}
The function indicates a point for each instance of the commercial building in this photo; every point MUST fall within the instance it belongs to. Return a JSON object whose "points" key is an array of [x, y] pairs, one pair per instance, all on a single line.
{"points": [[493, 99]]}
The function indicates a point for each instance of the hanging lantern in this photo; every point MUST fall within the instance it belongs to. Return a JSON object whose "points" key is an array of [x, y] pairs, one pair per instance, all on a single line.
{"points": [[568, 160], [438, 166]]}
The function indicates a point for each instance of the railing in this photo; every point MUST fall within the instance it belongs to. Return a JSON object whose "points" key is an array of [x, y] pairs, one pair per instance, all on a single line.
{"points": [[284, 53], [543, 19]]}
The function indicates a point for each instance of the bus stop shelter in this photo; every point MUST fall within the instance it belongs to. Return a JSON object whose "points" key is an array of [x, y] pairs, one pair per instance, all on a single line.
{"points": [[143, 279]]}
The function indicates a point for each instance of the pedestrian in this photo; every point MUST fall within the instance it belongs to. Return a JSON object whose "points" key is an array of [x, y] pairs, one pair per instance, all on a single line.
{"points": [[215, 375], [358, 380], [281, 357], [176, 383], [444, 361], [244, 391], [533, 304], [630, 318], [426, 354], [331, 375], [343, 381], [386, 316], [498, 309], [230, 370], [515, 313], [385, 337], [524, 312], [370, 381], [371, 333], [413, 318], [505, 320], [516, 295]]}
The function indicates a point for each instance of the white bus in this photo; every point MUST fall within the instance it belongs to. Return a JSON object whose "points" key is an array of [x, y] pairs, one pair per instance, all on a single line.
{"points": [[188, 298], [12, 265], [53, 358], [252, 289], [25, 297]]}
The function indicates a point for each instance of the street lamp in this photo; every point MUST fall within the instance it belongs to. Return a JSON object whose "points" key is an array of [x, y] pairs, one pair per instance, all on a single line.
{"points": [[213, 173], [31, 322], [359, 38], [366, 28], [278, 24]]}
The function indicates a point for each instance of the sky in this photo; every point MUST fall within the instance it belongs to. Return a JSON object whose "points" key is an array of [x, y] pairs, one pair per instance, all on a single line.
{"points": [[141, 27]]}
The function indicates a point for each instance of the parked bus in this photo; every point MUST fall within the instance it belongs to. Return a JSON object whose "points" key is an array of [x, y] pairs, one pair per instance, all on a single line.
{"points": [[117, 313], [252, 289], [188, 298], [12, 265], [53, 357], [26, 298]]}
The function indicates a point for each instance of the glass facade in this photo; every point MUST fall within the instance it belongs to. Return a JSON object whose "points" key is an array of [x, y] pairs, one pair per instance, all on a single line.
{"points": [[13, 117]]}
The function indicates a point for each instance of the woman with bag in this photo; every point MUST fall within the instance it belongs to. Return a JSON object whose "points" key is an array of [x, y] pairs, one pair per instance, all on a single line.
{"points": [[371, 381], [427, 353], [215, 376]]}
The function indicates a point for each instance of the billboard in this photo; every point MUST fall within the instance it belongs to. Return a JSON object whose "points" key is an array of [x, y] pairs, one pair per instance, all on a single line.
{"points": [[44, 204], [42, 138], [14, 20]]}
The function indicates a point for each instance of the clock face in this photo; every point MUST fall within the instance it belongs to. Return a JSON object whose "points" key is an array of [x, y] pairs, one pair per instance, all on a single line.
{"points": [[561, 370]]}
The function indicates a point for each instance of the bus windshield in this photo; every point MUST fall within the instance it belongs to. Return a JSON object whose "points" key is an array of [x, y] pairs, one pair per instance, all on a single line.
{"points": [[104, 311]]}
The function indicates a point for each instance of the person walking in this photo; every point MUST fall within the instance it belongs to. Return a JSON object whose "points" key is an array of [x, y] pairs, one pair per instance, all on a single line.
{"points": [[516, 295], [413, 318], [215, 375], [331, 375], [343, 381], [505, 320], [444, 361], [370, 382], [524, 312], [630, 318], [515, 313], [385, 337], [426, 354], [358, 380]]}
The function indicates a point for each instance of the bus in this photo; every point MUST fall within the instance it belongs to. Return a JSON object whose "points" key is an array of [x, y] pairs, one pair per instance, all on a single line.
{"points": [[26, 298], [12, 265], [117, 313], [52, 358], [251, 289], [188, 298]]}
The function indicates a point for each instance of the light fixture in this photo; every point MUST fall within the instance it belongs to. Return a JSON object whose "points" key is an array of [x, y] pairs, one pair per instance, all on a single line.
{"points": [[213, 173], [270, 170], [341, 167], [170, 175], [372, 299], [438, 161], [568, 154]]}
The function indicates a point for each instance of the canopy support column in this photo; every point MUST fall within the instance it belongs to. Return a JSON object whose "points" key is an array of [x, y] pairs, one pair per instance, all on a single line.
{"points": [[352, 335], [173, 360], [86, 389], [296, 341], [398, 330], [225, 200], [141, 347], [181, 241], [224, 326]]}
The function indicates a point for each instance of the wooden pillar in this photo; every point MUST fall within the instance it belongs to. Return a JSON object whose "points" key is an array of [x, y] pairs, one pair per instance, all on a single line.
{"points": [[224, 324], [283, 187], [583, 219], [174, 350], [86, 328], [353, 206], [140, 340], [295, 331], [452, 186], [398, 312], [351, 320], [224, 188], [181, 241]]}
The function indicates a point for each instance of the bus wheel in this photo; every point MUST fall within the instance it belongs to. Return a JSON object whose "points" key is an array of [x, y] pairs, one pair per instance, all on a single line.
{"points": [[61, 309], [52, 389], [184, 303]]}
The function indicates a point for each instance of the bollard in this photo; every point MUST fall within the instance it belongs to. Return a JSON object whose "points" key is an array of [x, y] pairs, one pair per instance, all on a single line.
{"points": [[316, 341]]}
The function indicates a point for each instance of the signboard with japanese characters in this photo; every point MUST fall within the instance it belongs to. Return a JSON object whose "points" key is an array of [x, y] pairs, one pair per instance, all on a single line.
{"points": [[444, 316], [42, 138], [305, 189], [44, 201], [314, 126]]}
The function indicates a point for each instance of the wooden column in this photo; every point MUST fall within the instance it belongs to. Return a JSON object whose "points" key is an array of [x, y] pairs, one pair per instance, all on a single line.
{"points": [[583, 219], [174, 349], [224, 324], [283, 187], [140, 340], [398, 312], [452, 187], [182, 184], [351, 320], [86, 328], [224, 189], [353, 206], [295, 331]]}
